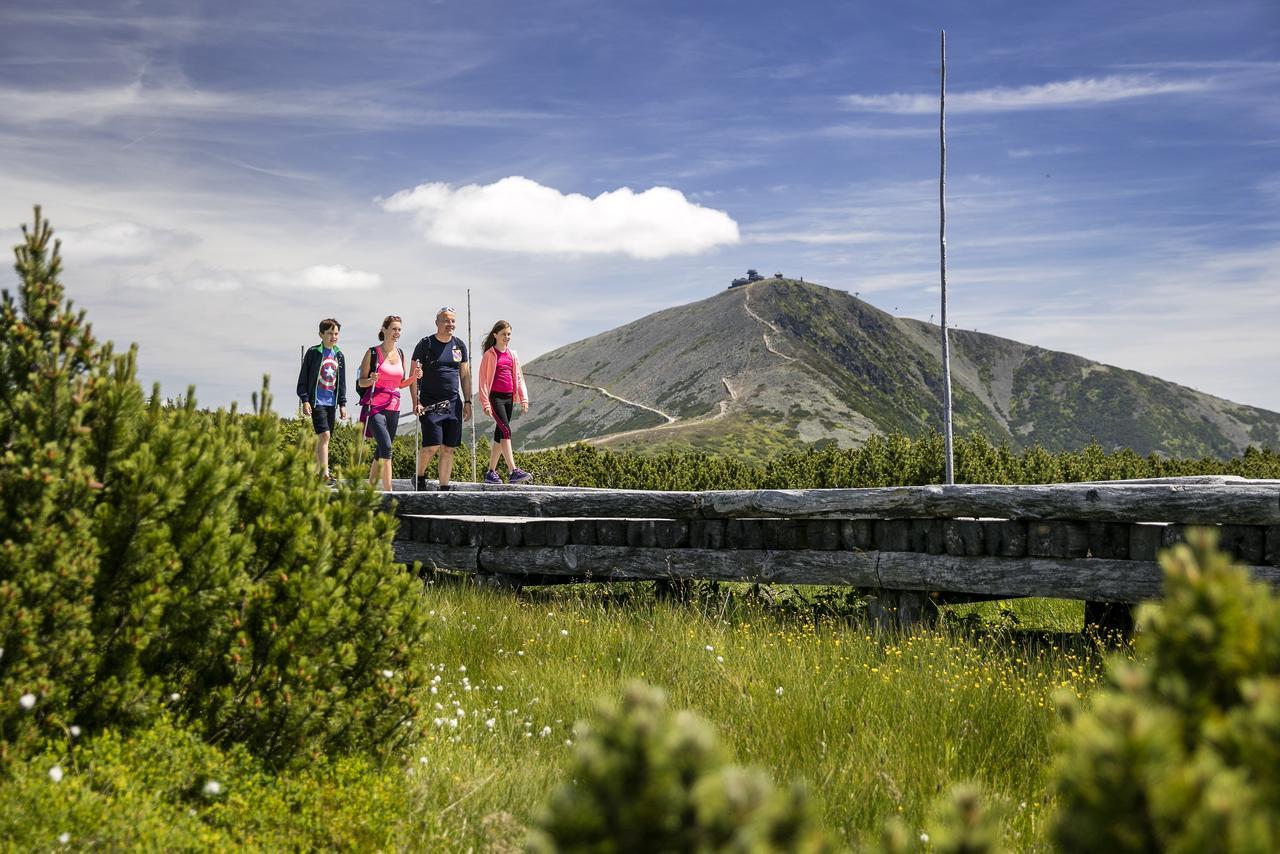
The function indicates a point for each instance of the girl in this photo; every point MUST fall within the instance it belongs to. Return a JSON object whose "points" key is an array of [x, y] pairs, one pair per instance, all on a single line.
{"points": [[382, 375], [501, 387]]}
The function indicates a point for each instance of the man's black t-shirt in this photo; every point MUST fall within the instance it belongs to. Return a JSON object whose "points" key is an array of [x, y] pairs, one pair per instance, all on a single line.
{"points": [[441, 361]]}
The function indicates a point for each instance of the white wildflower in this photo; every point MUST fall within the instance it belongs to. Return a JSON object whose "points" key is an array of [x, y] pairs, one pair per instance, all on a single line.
{"points": [[546, 731], [462, 668], [64, 838], [27, 701], [779, 691], [498, 688], [75, 730], [387, 674], [564, 633], [924, 837], [491, 722], [720, 659], [709, 648], [422, 761], [460, 712], [212, 789], [175, 696], [55, 773], [435, 690], [453, 723]]}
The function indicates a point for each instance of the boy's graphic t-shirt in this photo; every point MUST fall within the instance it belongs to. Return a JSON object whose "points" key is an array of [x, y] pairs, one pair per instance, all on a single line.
{"points": [[327, 386]]}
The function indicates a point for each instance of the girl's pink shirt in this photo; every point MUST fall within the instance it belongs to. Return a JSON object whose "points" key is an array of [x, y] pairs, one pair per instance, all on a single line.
{"points": [[489, 366]]}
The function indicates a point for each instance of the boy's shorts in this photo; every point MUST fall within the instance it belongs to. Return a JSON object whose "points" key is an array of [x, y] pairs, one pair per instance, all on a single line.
{"points": [[324, 418], [443, 428]]}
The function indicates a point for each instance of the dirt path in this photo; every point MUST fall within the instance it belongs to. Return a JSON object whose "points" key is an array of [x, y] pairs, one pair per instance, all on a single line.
{"points": [[671, 419], [767, 324]]}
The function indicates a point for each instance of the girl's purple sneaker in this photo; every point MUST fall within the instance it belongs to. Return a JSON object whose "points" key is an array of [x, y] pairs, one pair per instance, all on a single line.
{"points": [[519, 476], [492, 476]]}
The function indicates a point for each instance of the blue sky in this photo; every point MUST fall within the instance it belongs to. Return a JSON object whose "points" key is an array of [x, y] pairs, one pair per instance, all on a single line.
{"points": [[225, 174]]}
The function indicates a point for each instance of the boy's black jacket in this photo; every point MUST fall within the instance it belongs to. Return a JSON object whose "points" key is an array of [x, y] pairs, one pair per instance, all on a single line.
{"points": [[309, 376]]}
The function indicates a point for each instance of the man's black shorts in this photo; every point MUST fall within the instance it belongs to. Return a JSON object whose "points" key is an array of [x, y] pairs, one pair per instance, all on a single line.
{"points": [[324, 418], [443, 428]]}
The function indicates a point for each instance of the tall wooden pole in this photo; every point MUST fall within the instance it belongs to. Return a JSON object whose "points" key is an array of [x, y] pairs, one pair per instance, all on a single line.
{"points": [[942, 247], [471, 391]]}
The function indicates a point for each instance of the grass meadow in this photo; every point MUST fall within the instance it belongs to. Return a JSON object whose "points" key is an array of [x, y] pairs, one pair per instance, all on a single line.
{"points": [[876, 725]]}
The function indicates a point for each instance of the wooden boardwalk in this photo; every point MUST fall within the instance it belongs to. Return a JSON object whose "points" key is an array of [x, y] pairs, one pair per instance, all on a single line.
{"points": [[1092, 541]]}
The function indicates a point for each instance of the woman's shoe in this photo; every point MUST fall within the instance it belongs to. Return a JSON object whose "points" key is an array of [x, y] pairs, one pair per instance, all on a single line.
{"points": [[519, 476], [492, 476]]}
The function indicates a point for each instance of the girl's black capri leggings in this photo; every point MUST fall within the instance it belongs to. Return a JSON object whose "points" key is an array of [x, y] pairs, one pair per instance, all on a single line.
{"points": [[501, 404]]}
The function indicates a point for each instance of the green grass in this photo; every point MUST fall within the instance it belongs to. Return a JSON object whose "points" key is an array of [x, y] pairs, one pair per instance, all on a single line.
{"points": [[877, 725]]}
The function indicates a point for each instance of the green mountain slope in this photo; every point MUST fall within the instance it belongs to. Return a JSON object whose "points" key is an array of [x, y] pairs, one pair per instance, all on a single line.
{"points": [[759, 368]]}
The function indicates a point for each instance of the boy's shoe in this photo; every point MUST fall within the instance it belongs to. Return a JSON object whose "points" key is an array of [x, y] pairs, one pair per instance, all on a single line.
{"points": [[492, 476], [421, 482], [519, 476], [331, 481]]}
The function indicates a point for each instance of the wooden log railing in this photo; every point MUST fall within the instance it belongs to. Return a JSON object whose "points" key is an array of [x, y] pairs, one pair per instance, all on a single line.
{"points": [[1092, 541]]}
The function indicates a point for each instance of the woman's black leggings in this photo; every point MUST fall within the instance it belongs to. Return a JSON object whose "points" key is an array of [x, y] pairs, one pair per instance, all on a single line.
{"points": [[501, 404], [382, 426]]}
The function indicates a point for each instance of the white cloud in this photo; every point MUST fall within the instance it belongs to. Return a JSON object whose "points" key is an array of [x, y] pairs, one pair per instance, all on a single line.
{"points": [[323, 277], [1080, 92], [520, 215], [121, 242]]}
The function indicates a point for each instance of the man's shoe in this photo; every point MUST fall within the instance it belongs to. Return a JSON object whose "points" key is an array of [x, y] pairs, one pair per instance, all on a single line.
{"points": [[421, 482], [519, 476], [444, 487], [492, 476]]}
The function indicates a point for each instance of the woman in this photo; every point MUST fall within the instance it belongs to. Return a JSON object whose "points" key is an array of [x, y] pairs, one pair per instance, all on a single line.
{"points": [[382, 374], [501, 387]]}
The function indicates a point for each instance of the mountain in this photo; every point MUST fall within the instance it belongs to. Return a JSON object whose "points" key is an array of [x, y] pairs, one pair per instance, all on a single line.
{"points": [[777, 362]]}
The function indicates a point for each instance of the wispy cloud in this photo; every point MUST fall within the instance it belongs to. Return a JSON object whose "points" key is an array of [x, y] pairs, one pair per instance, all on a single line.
{"points": [[318, 277], [122, 242], [355, 106], [1080, 92], [520, 215]]}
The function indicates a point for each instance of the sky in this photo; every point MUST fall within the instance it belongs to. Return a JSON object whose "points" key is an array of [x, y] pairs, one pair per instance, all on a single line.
{"points": [[225, 174]]}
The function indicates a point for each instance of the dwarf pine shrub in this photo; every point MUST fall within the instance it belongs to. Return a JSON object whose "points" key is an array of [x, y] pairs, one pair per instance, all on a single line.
{"points": [[1182, 751], [644, 779], [165, 558]]}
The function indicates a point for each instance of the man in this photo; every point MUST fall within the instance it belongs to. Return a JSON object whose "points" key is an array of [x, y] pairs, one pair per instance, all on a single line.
{"points": [[322, 388], [443, 398]]}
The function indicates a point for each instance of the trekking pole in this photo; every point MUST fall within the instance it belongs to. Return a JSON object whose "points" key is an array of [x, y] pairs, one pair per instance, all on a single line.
{"points": [[473, 409]]}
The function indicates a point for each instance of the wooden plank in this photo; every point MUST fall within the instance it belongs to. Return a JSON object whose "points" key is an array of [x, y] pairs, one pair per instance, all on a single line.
{"points": [[784, 533], [1109, 540], [1247, 543], [964, 537], [892, 535], [1271, 549], [583, 532], [1093, 579], [857, 534], [1145, 541], [1057, 539], [1005, 539], [822, 533], [743, 534], [434, 556], [928, 536], [1245, 502]]}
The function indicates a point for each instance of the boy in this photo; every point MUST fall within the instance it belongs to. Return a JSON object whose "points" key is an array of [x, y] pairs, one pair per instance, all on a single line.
{"points": [[322, 388]]}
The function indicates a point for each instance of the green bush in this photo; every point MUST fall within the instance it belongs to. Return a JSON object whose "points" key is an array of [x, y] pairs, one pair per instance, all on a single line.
{"points": [[646, 780], [164, 788], [1182, 751], [161, 557]]}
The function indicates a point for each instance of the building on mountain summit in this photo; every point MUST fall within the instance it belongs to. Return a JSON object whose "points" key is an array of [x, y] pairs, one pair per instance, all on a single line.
{"points": [[752, 276]]}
